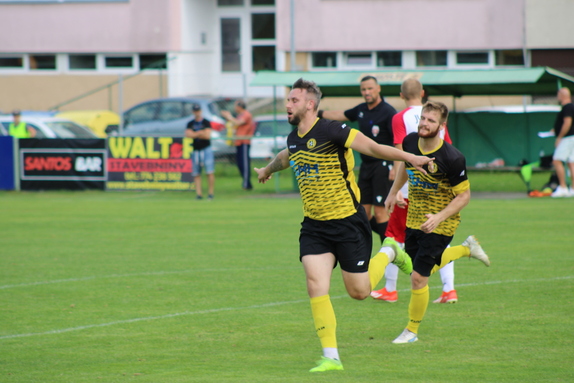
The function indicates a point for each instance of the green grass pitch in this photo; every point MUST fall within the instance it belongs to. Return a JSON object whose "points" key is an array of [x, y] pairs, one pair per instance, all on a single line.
{"points": [[159, 287]]}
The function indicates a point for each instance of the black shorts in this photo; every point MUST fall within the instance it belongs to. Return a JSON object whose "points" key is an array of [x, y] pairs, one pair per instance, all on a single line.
{"points": [[374, 182], [425, 249], [349, 239]]}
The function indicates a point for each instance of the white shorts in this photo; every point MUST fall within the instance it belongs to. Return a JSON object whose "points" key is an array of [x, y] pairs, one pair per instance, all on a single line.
{"points": [[565, 150]]}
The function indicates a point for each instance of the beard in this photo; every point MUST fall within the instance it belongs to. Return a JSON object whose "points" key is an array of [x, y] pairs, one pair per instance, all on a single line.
{"points": [[431, 134], [294, 119]]}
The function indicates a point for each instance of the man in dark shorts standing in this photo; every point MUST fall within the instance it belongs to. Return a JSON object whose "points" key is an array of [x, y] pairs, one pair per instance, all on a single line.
{"points": [[375, 118], [436, 198], [335, 229]]}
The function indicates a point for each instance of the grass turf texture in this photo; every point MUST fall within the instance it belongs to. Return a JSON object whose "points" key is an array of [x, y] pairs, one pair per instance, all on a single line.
{"points": [[159, 287]]}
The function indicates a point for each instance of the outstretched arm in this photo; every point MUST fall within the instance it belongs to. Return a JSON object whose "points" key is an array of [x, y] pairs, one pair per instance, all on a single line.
{"points": [[365, 145], [280, 162], [337, 115]]}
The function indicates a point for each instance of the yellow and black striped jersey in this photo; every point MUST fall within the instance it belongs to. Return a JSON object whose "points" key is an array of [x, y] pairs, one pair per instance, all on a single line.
{"points": [[431, 193], [323, 164]]}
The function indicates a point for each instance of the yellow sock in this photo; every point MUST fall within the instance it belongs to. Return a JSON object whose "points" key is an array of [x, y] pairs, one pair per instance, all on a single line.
{"points": [[377, 267], [325, 321], [451, 254], [417, 308]]}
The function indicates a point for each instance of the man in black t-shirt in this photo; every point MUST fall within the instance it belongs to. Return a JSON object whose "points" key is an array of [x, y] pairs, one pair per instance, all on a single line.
{"points": [[564, 131], [202, 157], [375, 118]]}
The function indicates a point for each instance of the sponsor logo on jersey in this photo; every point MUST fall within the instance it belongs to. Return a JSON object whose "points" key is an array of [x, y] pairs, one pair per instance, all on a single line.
{"points": [[417, 182], [305, 170]]}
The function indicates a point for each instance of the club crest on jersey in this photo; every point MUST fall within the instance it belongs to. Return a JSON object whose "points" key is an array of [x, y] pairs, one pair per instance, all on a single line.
{"points": [[375, 130], [433, 167], [311, 143]]}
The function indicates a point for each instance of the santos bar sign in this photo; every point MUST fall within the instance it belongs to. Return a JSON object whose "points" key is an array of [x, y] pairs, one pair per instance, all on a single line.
{"points": [[59, 164]]}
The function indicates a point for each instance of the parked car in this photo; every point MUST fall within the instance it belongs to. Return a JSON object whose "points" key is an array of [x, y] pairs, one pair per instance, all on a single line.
{"points": [[50, 127], [270, 136], [100, 122], [168, 117]]}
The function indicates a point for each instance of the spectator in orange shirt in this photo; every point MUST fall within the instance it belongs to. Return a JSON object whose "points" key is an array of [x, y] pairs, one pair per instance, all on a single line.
{"points": [[244, 128]]}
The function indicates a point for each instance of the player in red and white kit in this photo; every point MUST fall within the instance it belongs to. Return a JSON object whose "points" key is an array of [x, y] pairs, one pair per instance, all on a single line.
{"points": [[404, 123]]}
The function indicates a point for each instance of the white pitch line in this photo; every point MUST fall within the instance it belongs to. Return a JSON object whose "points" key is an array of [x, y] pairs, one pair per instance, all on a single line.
{"points": [[167, 316], [39, 283]]}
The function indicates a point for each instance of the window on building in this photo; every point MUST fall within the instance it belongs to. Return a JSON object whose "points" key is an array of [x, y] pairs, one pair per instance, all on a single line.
{"points": [[229, 2], [509, 57], [431, 58], [155, 61], [230, 45], [263, 58], [262, 2], [11, 62], [324, 59], [358, 59], [119, 61], [262, 26], [42, 62], [82, 62], [472, 58], [390, 58]]}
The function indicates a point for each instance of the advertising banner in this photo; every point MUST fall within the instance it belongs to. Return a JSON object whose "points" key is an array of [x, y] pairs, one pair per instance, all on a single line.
{"points": [[7, 163], [149, 163], [74, 164]]}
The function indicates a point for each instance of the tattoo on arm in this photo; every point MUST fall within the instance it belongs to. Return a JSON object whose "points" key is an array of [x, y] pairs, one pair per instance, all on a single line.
{"points": [[275, 165]]}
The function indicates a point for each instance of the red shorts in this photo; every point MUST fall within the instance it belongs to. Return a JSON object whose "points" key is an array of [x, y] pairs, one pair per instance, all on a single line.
{"points": [[397, 225]]}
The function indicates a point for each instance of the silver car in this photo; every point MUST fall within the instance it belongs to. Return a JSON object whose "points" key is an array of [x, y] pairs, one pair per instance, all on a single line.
{"points": [[270, 135], [49, 127], [168, 117]]}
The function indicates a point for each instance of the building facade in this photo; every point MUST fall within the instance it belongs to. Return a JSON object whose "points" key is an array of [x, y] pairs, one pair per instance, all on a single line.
{"points": [[111, 54]]}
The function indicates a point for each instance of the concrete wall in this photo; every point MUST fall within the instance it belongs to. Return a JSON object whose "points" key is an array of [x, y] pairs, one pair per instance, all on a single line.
{"points": [[44, 92], [549, 24], [134, 26], [334, 25]]}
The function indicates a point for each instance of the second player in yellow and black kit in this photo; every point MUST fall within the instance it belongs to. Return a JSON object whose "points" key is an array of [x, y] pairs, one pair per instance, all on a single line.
{"points": [[323, 165], [429, 194], [335, 228]]}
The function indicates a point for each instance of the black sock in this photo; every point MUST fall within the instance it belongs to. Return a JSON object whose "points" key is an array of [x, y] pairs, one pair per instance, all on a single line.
{"points": [[373, 223], [381, 229]]}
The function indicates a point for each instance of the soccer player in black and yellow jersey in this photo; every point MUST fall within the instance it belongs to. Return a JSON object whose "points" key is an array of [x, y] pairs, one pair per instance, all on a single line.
{"points": [[436, 198], [335, 228]]}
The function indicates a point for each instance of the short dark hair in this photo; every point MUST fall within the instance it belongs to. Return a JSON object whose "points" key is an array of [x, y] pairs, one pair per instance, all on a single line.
{"points": [[311, 89], [241, 104], [369, 77], [437, 106], [16, 112]]}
